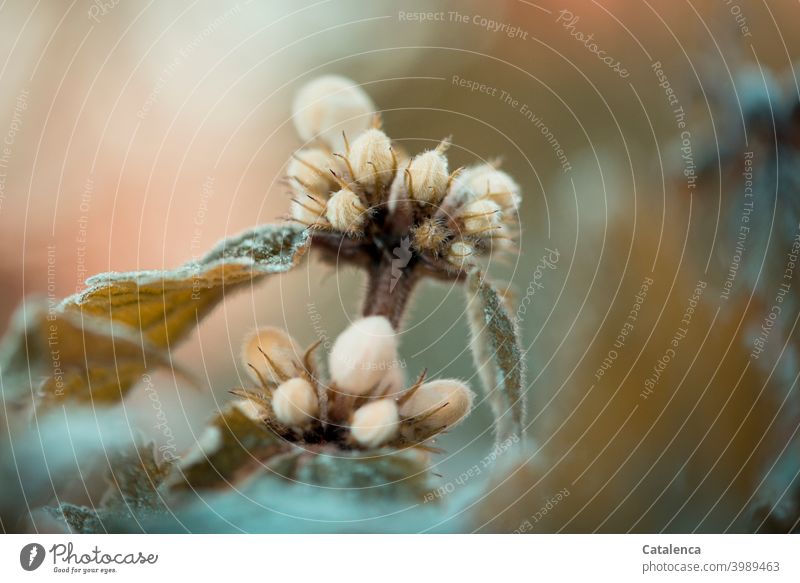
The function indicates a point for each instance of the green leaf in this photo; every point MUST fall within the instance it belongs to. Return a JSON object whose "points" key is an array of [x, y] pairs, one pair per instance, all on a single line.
{"points": [[498, 356], [108, 335]]}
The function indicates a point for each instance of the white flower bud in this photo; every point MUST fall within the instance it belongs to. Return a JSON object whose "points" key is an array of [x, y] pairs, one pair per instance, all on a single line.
{"points": [[295, 403], [502, 189], [308, 210], [486, 181], [284, 356], [502, 239], [394, 381], [398, 191], [480, 217], [345, 212], [437, 405], [427, 177], [371, 159], [375, 423], [249, 408], [459, 252], [363, 357], [310, 171], [329, 105]]}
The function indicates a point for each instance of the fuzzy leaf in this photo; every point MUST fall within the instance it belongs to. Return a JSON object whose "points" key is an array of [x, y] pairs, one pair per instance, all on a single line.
{"points": [[101, 520], [386, 472], [241, 447], [166, 305], [498, 356], [134, 478], [79, 519], [109, 334], [133, 495], [61, 355]]}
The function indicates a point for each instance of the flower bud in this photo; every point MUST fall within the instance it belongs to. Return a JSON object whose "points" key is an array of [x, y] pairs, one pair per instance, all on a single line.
{"points": [[329, 105], [295, 403], [437, 405], [430, 235], [502, 239], [393, 382], [310, 171], [371, 159], [486, 181], [273, 354], [308, 210], [459, 252], [345, 212], [250, 409], [480, 217], [427, 177], [363, 356], [375, 423]]}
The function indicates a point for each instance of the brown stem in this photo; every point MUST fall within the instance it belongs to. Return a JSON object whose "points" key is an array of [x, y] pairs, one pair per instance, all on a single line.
{"points": [[389, 286], [392, 268]]}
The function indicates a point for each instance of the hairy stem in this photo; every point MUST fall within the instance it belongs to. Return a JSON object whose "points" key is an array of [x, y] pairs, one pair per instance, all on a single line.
{"points": [[389, 285]]}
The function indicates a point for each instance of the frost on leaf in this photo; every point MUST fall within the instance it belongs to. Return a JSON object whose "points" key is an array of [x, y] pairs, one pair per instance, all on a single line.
{"points": [[134, 478], [95, 345], [133, 495], [79, 519], [241, 447], [498, 356], [387, 472], [235, 447], [166, 305]]}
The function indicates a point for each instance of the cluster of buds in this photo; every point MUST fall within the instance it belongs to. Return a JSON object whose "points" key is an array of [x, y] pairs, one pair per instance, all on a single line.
{"points": [[366, 202], [361, 195], [365, 404]]}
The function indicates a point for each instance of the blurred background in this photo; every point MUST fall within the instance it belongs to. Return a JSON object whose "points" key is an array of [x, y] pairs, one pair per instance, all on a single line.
{"points": [[137, 135]]}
